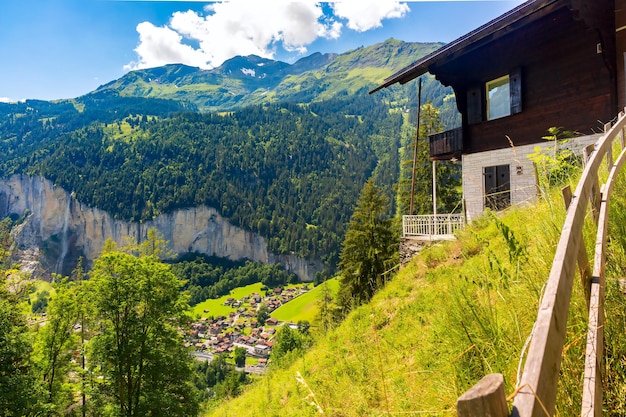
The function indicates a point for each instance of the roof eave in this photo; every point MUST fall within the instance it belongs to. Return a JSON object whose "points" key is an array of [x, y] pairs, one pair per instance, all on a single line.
{"points": [[422, 66]]}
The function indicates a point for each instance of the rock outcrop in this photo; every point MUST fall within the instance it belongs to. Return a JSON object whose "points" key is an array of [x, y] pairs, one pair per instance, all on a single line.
{"points": [[60, 229]]}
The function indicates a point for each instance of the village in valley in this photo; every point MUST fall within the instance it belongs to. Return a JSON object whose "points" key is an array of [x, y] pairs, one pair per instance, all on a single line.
{"points": [[249, 326]]}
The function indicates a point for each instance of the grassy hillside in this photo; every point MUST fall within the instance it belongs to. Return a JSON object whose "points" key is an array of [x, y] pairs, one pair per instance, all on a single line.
{"points": [[303, 307], [460, 310], [312, 79]]}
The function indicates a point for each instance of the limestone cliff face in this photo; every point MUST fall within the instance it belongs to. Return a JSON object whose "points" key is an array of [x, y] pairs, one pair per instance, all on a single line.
{"points": [[60, 229]]}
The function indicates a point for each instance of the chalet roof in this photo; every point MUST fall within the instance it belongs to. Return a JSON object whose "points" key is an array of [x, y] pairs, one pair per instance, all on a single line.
{"points": [[510, 21]]}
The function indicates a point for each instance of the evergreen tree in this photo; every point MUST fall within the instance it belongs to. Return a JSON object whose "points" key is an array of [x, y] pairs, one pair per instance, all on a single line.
{"points": [[369, 247], [326, 315]]}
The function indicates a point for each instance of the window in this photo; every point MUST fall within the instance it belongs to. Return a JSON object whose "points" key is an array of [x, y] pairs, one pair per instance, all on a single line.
{"points": [[498, 98], [495, 99], [497, 187]]}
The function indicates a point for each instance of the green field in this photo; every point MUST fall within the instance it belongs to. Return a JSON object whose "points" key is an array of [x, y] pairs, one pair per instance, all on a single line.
{"points": [[303, 307], [39, 286], [216, 307]]}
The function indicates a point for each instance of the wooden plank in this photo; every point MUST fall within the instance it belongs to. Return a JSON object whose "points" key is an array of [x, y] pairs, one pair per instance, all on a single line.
{"points": [[591, 404], [594, 352], [537, 393], [566, 192], [583, 261], [595, 198], [587, 151], [486, 398]]}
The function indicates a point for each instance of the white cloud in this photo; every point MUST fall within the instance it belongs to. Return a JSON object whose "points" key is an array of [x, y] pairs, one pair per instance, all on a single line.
{"points": [[245, 27], [363, 15], [162, 45], [6, 100]]}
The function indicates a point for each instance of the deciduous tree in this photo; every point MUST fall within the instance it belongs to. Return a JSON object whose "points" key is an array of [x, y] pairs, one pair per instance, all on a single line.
{"points": [[140, 311]]}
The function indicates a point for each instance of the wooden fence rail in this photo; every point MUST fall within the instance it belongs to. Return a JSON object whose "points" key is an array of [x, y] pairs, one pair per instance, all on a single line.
{"points": [[536, 395]]}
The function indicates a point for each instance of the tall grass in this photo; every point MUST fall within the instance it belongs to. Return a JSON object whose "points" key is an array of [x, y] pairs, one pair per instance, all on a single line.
{"points": [[458, 311], [615, 304]]}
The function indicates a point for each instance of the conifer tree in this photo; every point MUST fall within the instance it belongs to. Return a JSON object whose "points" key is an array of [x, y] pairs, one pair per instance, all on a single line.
{"points": [[368, 248]]}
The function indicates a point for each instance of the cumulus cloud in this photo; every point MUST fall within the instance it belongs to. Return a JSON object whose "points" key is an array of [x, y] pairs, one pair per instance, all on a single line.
{"points": [[244, 27], [364, 15], [162, 45], [6, 100]]}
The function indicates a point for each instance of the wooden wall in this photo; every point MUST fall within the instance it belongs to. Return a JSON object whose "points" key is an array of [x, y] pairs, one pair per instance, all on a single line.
{"points": [[620, 55], [565, 81]]}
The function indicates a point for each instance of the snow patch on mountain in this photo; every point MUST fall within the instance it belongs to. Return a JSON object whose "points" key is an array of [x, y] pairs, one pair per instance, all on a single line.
{"points": [[249, 71]]}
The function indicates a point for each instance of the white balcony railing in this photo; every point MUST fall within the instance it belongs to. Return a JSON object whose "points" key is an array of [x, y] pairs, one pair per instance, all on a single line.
{"points": [[432, 226]]}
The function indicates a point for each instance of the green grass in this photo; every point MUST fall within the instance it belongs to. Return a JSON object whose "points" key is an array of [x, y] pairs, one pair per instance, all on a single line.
{"points": [[458, 311], [303, 307], [216, 307], [39, 286]]}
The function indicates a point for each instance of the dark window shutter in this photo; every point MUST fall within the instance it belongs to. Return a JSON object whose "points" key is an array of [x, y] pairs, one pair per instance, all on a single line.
{"points": [[474, 105], [515, 85]]}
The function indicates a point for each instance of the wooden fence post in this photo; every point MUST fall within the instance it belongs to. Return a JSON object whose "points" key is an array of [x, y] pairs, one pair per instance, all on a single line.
{"points": [[486, 398]]}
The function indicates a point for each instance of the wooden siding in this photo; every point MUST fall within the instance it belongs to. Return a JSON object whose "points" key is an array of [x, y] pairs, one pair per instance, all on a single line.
{"points": [[620, 55], [565, 81]]}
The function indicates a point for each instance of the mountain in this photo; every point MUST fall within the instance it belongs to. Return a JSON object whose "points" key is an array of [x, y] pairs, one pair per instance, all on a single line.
{"points": [[284, 158], [243, 81]]}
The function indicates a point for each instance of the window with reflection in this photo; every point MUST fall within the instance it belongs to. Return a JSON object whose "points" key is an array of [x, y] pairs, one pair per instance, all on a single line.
{"points": [[498, 98]]}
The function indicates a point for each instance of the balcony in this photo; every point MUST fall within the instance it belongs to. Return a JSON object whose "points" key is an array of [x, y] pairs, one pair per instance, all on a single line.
{"points": [[446, 145], [430, 227]]}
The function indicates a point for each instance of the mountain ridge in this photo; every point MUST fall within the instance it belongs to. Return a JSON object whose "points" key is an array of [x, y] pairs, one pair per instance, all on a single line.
{"points": [[248, 80], [285, 162]]}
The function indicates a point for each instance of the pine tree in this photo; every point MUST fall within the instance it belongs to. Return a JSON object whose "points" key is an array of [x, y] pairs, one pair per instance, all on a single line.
{"points": [[368, 248]]}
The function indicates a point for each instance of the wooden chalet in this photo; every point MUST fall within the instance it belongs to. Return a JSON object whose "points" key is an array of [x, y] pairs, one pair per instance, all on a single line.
{"points": [[545, 63]]}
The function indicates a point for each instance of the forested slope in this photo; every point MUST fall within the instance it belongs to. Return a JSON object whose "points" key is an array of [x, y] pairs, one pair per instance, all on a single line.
{"points": [[289, 172], [289, 167]]}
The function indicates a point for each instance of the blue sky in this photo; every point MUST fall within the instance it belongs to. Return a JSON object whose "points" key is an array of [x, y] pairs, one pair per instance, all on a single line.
{"points": [[52, 49]]}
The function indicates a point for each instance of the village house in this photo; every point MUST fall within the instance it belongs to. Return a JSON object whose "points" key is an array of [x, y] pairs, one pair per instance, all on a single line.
{"points": [[262, 350], [221, 334], [546, 63]]}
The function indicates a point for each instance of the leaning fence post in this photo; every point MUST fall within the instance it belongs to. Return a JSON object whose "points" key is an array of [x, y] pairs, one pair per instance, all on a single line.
{"points": [[486, 398]]}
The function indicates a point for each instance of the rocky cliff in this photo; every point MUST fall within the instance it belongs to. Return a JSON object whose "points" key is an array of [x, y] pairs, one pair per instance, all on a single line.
{"points": [[57, 229]]}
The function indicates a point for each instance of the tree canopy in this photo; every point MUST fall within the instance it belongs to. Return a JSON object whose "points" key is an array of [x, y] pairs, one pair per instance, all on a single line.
{"points": [[139, 309]]}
